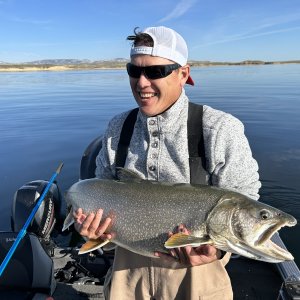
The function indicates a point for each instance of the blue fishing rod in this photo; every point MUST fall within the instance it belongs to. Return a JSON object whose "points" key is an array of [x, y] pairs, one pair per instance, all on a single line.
{"points": [[23, 231]]}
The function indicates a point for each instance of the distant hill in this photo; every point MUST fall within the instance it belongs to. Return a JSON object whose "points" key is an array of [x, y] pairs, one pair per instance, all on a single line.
{"points": [[67, 62], [64, 64], [59, 62], [195, 63], [117, 63]]}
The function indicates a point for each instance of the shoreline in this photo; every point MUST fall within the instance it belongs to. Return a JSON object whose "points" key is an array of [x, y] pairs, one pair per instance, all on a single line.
{"points": [[52, 68], [112, 66]]}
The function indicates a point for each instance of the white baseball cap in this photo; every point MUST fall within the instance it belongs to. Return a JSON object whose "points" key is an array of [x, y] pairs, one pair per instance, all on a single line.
{"points": [[167, 44]]}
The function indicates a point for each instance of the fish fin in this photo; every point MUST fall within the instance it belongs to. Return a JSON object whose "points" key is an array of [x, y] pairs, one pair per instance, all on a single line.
{"points": [[92, 245], [127, 175], [68, 221], [109, 247], [182, 240]]}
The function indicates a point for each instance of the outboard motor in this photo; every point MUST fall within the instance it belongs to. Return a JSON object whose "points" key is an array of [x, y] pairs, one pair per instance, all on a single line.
{"points": [[31, 269], [48, 215]]}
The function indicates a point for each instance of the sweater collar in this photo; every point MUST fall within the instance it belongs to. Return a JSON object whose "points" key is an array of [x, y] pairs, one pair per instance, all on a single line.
{"points": [[171, 115]]}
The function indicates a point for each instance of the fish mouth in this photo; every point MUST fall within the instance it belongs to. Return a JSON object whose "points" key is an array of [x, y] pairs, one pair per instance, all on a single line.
{"points": [[266, 235], [268, 252], [264, 248]]}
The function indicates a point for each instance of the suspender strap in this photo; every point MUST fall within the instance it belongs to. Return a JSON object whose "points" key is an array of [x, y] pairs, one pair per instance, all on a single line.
{"points": [[125, 137], [195, 131], [196, 144]]}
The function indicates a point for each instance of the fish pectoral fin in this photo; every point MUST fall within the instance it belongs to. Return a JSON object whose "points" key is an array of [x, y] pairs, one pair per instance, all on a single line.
{"points": [[109, 247], [92, 245], [182, 240]]}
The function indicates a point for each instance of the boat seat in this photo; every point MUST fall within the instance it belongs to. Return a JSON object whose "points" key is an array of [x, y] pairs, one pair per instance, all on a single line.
{"points": [[29, 270], [88, 160]]}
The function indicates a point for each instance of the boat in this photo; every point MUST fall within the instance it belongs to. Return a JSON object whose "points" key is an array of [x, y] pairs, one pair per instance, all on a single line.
{"points": [[46, 264]]}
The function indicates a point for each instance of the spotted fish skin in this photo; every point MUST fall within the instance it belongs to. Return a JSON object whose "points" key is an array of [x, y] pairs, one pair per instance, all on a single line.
{"points": [[143, 212]]}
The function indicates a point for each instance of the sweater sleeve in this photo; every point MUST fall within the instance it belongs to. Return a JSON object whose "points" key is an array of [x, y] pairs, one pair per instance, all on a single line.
{"points": [[229, 156]]}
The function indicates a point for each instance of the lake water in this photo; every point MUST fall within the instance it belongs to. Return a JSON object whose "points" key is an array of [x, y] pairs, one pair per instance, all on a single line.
{"points": [[50, 117]]}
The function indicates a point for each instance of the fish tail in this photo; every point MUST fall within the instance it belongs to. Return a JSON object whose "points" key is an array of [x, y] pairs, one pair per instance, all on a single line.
{"points": [[69, 220]]}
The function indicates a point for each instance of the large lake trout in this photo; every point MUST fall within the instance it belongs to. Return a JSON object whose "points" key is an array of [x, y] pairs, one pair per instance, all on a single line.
{"points": [[143, 212]]}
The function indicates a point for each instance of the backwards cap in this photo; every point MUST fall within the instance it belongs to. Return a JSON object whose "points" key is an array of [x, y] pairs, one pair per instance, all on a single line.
{"points": [[167, 44]]}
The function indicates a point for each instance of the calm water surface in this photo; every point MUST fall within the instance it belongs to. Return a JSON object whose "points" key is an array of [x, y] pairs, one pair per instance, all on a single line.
{"points": [[49, 117]]}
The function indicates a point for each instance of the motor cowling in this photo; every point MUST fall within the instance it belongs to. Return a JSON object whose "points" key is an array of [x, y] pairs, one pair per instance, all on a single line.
{"points": [[24, 201]]}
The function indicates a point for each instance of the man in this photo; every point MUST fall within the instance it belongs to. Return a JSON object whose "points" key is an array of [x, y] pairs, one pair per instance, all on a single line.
{"points": [[158, 151]]}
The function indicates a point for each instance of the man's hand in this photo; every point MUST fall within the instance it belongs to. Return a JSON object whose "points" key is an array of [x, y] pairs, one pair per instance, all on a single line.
{"points": [[192, 256], [90, 225]]}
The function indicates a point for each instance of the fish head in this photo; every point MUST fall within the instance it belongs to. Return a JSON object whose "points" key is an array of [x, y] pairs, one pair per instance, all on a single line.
{"points": [[244, 226]]}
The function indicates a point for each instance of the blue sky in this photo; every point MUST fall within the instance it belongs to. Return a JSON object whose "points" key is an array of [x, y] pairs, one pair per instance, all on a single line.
{"points": [[215, 30]]}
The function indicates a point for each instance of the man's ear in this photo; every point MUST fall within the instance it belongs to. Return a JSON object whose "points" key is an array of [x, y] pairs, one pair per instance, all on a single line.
{"points": [[184, 73]]}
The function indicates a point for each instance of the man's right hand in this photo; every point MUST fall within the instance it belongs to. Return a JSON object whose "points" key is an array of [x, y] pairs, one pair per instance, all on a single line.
{"points": [[90, 225]]}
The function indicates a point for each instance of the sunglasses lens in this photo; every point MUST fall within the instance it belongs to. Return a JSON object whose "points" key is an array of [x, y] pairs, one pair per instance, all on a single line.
{"points": [[134, 71], [151, 72], [155, 72]]}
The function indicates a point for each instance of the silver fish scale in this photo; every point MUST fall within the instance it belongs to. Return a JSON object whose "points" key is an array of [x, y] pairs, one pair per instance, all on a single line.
{"points": [[144, 212]]}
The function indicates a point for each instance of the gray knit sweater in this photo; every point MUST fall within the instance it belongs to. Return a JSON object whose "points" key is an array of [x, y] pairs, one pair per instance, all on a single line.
{"points": [[159, 149]]}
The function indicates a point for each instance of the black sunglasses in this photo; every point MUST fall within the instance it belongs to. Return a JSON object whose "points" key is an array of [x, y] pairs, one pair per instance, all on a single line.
{"points": [[151, 72]]}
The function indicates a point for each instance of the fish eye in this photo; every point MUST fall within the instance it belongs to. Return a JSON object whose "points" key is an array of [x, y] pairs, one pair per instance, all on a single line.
{"points": [[264, 214]]}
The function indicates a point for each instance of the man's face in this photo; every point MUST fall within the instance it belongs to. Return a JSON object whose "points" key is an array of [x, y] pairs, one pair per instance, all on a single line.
{"points": [[154, 96]]}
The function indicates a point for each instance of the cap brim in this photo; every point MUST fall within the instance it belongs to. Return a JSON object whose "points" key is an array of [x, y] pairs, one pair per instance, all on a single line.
{"points": [[190, 81]]}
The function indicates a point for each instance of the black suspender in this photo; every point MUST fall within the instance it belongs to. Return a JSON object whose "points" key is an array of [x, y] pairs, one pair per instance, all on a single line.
{"points": [[195, 142], [125, 137], [197, 159]]}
